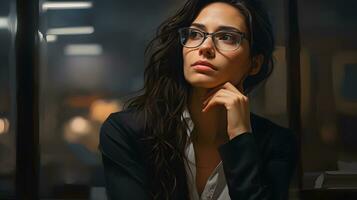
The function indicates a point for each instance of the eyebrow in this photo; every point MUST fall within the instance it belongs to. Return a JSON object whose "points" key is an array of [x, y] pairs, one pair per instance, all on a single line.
{"points": [[227, 28]]}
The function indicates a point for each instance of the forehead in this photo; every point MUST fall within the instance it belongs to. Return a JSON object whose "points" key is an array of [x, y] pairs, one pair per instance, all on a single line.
{"points": [[221, 14]]}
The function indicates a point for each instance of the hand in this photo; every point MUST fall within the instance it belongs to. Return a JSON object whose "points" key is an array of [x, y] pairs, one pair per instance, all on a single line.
{"points": [[236, 104]]}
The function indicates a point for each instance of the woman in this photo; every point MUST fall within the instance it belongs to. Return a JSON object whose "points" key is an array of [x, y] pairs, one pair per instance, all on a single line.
{"points": [[190, 134]]}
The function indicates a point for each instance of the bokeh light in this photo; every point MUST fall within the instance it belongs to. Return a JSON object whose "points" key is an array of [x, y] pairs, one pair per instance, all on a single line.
{"points": [[4, 126]]}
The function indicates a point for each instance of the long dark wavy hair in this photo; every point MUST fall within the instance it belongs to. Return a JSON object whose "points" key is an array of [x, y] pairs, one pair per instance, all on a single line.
{"points": [[165, 94]]}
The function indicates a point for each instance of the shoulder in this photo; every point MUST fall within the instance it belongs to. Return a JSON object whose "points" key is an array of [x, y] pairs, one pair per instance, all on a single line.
{"points": [[120, 147], [122, 128], [128, 120]]}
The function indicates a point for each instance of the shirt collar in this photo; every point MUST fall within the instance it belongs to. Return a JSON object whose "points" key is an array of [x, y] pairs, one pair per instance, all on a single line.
{"points": [[187, 117]]}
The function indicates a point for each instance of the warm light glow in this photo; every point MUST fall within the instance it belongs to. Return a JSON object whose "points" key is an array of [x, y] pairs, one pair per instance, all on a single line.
{"points": [[83, 49], [76, 129], [4, 126], [66, 5], [79, 126], [100, 109], [71, 30], [4, 23], [51, 38]]}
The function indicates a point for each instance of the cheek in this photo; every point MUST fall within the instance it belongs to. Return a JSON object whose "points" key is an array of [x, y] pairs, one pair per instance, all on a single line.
{"points": [[185, 54], [238, 67], [235, 62]]}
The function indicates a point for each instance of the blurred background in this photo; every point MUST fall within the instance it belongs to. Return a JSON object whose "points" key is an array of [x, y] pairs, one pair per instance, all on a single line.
{"points": [[92, 60]]}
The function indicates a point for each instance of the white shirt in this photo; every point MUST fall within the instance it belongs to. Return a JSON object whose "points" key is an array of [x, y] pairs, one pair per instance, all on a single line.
{"points": [[216, 186]]}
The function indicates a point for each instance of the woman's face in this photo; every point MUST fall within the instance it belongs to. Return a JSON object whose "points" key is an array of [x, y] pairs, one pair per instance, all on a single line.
{"points": [[229, 66]]}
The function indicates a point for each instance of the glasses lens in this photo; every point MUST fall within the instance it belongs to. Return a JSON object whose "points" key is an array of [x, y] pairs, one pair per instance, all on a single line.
{"points": [[190, 37], [227, 41]]}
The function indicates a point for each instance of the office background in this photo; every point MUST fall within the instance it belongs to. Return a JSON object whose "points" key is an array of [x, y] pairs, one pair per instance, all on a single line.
{"points": [[91, 59]]}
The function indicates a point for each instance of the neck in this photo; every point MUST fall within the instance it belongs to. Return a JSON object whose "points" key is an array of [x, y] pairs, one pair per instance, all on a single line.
{"points": [[210, 126]]}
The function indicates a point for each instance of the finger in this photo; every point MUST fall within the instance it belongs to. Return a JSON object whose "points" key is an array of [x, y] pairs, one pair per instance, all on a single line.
{"points": [[212, 91], [210, 95], [224, 93], [233, 88], [237, 94], [220, 92], [218, 100]]}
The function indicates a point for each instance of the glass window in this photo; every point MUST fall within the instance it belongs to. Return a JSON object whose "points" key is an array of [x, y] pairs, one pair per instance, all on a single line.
{"points": [[91, 59], [329, 95], [7, 99]]}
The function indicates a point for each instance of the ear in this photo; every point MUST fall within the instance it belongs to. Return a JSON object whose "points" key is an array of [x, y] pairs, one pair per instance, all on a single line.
{"points": [[257, 63]]}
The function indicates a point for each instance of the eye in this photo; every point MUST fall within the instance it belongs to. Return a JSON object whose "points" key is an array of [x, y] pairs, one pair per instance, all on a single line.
{"points": [[229, 38], [194, 35]]}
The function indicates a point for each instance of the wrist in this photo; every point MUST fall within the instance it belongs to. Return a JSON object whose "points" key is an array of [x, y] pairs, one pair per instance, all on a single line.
{"points": [[234, 133]]}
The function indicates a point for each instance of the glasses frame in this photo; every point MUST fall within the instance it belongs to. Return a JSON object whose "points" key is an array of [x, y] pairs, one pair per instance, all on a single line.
{"points": [[206, 34]]}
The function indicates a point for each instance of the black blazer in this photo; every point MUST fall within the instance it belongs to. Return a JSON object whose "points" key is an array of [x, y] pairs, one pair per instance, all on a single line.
{"points": [[257, 165]]}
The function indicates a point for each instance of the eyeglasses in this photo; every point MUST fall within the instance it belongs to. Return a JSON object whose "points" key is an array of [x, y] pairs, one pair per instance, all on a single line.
{"points": [[223, 40]]}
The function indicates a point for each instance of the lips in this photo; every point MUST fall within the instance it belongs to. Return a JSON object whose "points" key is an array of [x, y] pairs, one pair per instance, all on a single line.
{"points": [[204, 63]]}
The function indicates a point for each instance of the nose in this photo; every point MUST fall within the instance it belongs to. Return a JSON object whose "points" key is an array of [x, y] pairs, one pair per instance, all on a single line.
{"points": [[207, 48]]}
